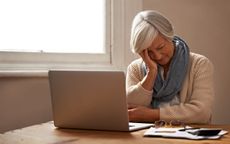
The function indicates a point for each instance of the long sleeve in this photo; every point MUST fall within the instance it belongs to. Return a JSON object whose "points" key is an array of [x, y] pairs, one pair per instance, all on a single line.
{"points": [[136, 94]]}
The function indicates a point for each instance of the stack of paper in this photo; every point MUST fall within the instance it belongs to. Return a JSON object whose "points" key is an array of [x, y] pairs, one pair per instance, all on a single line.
{"points": [[176, 133]]}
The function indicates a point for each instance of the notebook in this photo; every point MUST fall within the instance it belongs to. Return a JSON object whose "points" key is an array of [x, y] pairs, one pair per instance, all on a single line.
{"points": [[93, 100]]}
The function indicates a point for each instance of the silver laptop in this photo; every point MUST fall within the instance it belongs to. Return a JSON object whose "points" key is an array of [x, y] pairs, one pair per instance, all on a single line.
{"points": [[90, 100]]}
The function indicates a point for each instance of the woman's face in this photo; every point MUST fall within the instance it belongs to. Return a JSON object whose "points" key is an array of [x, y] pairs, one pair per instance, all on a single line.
{"points": [[161, 50]]}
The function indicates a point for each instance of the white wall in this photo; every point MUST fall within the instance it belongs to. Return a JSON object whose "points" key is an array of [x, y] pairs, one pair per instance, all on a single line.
{"points": [[24, 101], [205, 25]]}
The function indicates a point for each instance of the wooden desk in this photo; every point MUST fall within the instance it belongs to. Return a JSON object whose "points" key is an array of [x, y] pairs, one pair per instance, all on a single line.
{"points": [[47, 133]]}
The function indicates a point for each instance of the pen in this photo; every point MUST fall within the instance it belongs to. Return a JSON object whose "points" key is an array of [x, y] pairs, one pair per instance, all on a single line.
{"points": [[192, 128], [165, 131]]}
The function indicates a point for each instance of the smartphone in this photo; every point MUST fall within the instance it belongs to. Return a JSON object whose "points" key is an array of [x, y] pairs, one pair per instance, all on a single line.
{"points": [[205, 131]]}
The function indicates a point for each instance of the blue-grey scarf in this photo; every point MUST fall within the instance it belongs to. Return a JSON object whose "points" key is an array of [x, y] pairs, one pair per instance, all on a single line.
{"points": [[166, 90]]}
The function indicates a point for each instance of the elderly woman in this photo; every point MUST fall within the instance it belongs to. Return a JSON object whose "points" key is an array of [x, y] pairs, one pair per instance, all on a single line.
{"points": [[168, 82]]}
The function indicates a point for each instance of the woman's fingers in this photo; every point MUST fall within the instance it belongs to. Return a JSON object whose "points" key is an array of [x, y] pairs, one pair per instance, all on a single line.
{"points": [[131, 106], [150, 64]]}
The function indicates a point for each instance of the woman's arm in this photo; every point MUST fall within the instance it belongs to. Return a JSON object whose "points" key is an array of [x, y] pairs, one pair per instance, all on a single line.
{"points": [[138, 98], [139, 88], [136, 94], [140, 91]]}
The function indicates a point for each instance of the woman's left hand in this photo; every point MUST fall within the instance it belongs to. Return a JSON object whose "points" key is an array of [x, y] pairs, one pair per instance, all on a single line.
{"points": [[142, 114]]}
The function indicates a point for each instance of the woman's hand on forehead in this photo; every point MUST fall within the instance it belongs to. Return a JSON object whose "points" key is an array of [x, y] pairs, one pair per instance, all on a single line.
{"points": [[151, 65]]}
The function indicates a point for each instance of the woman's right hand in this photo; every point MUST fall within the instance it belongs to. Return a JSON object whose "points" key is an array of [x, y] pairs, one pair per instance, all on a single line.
{"points": [[151, 71], [150, 64]]}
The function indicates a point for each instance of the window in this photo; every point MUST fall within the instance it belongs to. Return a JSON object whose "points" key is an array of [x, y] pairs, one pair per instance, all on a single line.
{"points": [[53, 26], [57, 34]]}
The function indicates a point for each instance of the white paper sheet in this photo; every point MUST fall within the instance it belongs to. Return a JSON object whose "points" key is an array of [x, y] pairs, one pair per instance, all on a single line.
{"points": [[175, 133]]}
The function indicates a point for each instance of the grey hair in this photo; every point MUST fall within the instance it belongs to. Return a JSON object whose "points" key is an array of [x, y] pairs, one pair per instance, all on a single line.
{"points": [[146, 26]]}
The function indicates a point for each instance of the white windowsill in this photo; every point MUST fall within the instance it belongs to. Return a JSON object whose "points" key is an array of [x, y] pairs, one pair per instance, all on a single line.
{"points": [[42, 71]]}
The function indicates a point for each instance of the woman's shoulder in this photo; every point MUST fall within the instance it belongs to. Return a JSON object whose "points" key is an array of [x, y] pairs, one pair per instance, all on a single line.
{"points": [[136, 62], [135, 66], [195, 57], [200, 61]]}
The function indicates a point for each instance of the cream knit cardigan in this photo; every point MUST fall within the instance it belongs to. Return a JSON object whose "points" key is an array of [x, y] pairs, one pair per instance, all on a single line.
{"points": [[196, 96]]}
